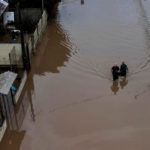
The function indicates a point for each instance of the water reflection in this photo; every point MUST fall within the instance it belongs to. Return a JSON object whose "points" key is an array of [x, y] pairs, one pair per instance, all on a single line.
{"points": [[25, 103], [12, 140], [121, 83], [55, 51], [115, 87]]}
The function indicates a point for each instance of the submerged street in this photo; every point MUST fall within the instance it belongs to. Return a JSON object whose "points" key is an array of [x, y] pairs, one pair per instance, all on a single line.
{"points": [[70, 101]]}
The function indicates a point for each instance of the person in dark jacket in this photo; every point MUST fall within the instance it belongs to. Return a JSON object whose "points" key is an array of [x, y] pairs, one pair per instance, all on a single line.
{"points": [[115, 72], [123, 70]]}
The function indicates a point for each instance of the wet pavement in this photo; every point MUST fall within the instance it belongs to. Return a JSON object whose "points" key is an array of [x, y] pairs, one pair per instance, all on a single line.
{"points": [[70, 101]]}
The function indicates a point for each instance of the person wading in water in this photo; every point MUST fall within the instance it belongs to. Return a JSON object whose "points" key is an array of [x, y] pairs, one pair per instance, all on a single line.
{"points": [[123, 69], [115, 72]]}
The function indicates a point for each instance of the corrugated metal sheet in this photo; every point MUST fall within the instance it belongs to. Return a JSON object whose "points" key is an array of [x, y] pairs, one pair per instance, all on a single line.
{"points": [[3, 6]]}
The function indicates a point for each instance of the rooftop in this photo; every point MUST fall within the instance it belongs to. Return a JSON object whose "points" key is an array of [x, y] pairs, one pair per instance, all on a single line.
{"points": [[3, 6]]}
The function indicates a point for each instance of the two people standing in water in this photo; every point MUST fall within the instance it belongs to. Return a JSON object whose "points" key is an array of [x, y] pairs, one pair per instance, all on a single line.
{"points": [[116, 71]]}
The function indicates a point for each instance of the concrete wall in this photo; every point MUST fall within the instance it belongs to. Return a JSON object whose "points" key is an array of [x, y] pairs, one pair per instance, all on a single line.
{"points": [[39, 31], [5, 49], [23, 81]]}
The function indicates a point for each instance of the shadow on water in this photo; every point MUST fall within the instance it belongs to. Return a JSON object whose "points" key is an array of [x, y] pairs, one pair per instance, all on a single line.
{"points": [[54, 54], [12, 140], [118, 84]]}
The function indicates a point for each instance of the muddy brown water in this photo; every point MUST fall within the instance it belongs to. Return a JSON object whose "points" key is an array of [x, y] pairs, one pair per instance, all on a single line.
{"points": [[70, 102]]}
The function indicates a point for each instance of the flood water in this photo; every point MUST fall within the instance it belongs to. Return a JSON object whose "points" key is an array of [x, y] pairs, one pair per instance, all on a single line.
{"points": [[70, 101]]}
